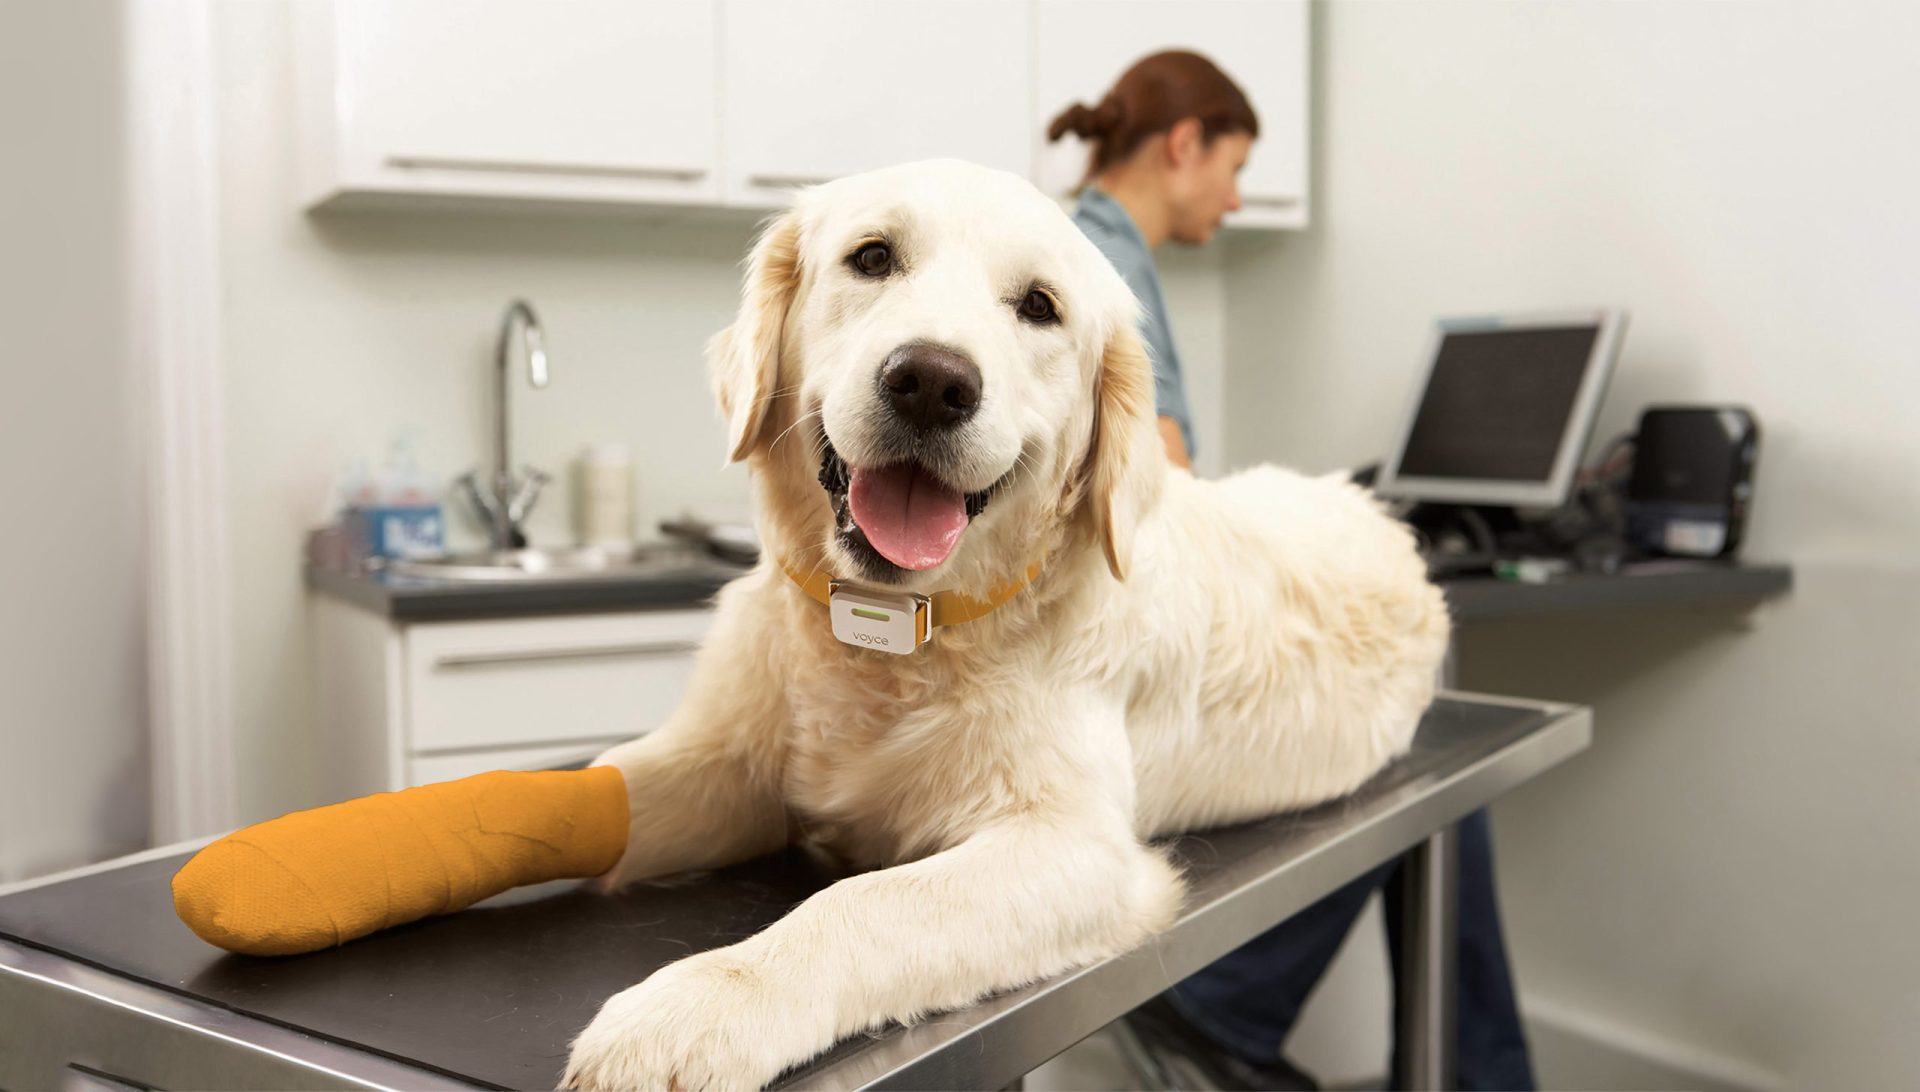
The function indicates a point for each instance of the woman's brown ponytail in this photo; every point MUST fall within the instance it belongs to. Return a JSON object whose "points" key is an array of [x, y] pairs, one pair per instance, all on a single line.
{"points": [[1088, 124]]}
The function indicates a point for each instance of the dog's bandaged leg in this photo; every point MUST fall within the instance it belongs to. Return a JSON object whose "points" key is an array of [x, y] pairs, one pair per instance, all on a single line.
{"points": [[704, 787], [313, 879], [697, 801]]}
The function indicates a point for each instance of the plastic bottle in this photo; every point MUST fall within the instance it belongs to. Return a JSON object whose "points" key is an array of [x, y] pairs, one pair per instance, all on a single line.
{"points": [[603, 496], [405, 518]]}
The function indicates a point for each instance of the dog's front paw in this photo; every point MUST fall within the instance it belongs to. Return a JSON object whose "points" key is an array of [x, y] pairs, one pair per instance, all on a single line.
{"points": [[709, 1021]]}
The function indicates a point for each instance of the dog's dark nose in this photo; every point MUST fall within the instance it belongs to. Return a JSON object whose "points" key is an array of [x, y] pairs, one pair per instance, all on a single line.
{"points": [[930, 387]]}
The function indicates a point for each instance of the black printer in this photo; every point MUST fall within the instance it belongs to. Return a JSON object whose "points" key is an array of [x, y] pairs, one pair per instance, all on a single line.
{"points": [[1692, 480]]}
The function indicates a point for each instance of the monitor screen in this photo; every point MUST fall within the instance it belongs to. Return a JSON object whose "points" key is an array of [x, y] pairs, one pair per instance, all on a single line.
{"points": [[1497, 404], [1504, 408]]}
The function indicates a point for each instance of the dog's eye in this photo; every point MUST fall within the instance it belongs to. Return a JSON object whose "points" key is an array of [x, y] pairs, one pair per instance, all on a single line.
{"points": [[873, 260], [1038, 307]]}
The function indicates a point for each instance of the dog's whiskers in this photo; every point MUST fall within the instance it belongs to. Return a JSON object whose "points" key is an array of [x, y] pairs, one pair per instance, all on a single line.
{"points": [[1019, 461], [782, 392], [796, 424]]}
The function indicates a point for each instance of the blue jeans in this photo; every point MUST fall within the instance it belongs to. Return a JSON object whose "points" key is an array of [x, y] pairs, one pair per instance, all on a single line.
{"points": [[1248, 1000]]}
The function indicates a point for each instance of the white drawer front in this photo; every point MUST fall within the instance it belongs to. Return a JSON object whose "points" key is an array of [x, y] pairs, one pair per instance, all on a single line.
{"points": [[427, 769], [523, 682]]}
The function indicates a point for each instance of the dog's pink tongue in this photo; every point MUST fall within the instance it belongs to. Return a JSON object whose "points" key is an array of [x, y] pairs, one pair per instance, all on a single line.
{"points": [[913, 520]]}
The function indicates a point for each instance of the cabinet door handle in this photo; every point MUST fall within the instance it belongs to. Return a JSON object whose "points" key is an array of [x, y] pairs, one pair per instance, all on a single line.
{"points": [[594, 170], [784, 181], [591, 652], [1269, 201]]}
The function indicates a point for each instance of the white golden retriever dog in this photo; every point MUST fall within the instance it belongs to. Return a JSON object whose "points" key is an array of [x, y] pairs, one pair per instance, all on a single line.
{"points": [[938, 385]]}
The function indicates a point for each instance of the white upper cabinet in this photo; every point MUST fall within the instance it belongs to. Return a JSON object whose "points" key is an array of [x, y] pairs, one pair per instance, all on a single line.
{"points": [[634, 103], [1082, 46], [588, 100], [815, 89]]}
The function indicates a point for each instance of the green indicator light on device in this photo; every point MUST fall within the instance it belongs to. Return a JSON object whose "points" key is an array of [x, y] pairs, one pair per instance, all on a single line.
{"points": [[873, 614]]}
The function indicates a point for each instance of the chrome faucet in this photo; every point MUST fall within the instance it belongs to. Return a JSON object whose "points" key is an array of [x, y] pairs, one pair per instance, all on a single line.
{"points": [[504, 502]]}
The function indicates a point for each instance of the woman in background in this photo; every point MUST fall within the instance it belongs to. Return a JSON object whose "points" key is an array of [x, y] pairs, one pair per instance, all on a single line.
{"points": [[1168, 143]]}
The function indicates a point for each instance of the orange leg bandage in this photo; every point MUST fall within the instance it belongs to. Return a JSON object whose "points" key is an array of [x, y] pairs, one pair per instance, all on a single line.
{"points": [[313, 879]]}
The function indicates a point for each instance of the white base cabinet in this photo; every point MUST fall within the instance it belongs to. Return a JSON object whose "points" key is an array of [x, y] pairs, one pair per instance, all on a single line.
{"points": [[402, 704]]}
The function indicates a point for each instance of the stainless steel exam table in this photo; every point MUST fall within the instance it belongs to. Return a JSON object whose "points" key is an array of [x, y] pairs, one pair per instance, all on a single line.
{"points": [[101, 986]]}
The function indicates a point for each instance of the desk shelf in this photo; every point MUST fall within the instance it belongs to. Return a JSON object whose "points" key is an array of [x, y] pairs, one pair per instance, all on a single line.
{"points": [[1646, 584]]}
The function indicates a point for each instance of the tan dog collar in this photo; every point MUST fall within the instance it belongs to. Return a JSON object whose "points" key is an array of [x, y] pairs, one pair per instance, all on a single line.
{"points": [[895, 621]]}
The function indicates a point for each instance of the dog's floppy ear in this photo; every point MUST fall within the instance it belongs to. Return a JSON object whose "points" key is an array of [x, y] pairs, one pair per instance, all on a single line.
{"points": [[1127, 461], [745, 357]]}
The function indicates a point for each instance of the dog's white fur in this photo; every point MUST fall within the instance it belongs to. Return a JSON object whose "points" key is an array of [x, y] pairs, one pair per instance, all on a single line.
{"points": [[1192, 652]]}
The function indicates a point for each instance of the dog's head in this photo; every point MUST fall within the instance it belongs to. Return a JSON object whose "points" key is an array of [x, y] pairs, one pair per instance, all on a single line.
{"points": [[936, 377]]}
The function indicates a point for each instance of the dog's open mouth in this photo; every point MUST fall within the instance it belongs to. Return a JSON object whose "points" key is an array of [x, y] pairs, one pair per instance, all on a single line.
{"points": [[898, 516]]}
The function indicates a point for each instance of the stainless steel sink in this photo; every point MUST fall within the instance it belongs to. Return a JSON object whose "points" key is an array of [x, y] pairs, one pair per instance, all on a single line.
{"points": [[567, 563]]}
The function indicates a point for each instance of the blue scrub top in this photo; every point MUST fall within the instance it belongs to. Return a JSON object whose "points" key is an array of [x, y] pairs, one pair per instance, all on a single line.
{"points": [[1105, 221]]}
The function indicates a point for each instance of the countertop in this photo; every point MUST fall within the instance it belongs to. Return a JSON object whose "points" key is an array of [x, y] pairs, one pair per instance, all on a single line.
{"points": [[1470, 598], [429, 599]]}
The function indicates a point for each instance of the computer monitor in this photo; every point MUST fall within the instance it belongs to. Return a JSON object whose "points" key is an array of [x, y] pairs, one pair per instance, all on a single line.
{"points": [[1504, 408]]}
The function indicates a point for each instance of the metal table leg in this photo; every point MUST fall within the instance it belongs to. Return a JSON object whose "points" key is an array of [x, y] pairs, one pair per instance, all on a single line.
{"points": [[1428, 986], [1427, 1005]]}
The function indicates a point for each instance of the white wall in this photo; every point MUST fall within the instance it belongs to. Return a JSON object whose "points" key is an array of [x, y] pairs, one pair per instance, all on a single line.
{"points": [[73, 774], [342, 328], [1725, 881]]}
